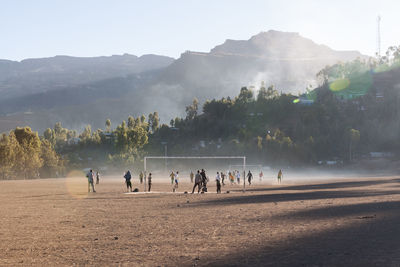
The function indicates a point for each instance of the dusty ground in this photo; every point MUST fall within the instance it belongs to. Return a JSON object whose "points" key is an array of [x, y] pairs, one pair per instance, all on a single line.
{"points": [[344, 223]]}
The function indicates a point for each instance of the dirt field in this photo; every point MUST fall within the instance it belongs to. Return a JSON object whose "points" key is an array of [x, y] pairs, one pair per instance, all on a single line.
{"points": [[344, 223]]}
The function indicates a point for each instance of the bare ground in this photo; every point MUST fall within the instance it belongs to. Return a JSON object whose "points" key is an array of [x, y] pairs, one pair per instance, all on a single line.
{"points": [[344, 223]]}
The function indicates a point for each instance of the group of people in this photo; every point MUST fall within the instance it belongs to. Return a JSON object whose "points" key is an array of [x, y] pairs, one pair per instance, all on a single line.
{"points": [[174, 180], [128, 182], [199, 179], [91, 176]]}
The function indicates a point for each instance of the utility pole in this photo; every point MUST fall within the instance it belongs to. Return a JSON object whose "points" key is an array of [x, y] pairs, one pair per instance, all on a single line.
{"points": [[378, 37]]}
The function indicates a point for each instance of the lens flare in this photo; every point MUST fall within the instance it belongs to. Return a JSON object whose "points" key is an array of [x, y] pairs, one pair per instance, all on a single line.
{"points": [[77, 184], [339, 85]]}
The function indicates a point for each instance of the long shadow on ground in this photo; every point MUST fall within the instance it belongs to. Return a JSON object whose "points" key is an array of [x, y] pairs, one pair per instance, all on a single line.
{"points": [[268, 198], [337, 185], [371, 238], [368, 233]]}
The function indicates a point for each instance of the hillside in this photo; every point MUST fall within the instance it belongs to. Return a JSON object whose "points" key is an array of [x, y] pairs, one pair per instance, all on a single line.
{"points": [[39, 75], [75, 93]]}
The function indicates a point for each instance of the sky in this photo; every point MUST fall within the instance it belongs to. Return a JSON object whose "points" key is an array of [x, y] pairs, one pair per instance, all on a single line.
{"points": [[45, 28]]}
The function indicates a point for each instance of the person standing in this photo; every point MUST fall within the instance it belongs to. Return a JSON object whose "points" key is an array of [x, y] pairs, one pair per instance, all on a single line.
{"points": [[261, 175], [90, 177], [203, 180], [238, 177], [141, 177], [197, 182], [249, 177], [128, 177], [191, 176], [218, 181], [97, 177], [176, 179], [176, 182], [279, 176], [223, 178], [172, 176], [149, 180]]}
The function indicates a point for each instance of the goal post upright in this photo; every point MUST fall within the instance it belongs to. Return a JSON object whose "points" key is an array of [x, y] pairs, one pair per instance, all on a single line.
{"points": [[193, 157]]}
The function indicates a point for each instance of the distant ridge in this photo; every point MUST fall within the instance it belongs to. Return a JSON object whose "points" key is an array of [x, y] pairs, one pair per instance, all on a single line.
{"points": [[61, 88]]}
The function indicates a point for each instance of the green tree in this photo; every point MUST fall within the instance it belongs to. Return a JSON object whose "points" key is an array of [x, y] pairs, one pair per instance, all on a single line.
{"points": [[50, 160], [108, 125], [31, 151], [191, 110], [131, 122], [10, 155]]}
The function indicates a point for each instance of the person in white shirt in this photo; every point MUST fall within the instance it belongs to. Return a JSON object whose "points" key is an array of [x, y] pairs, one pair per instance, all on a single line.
{"points": [[238, 176]]}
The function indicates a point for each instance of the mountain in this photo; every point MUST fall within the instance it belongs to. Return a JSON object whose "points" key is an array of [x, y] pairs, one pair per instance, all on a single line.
{"points": [[39, 75], [286, 60], [80, 91]]}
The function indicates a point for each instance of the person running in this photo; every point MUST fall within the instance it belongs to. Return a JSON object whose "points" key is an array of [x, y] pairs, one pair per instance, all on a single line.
{"points": [[141, 177], [97, 177], [231, 178], [90, 177], [249, 177], [197, 182], [128, 177], [176, 179], [191, 176], [218, 179], [261, 175], [279, 176], [238, 177], [149, 180], [172, 176], [223, 178]]}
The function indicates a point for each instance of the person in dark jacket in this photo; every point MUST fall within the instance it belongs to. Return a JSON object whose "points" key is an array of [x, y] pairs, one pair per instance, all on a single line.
{"points": [[149, 181], [249, 177], [128, 177]]}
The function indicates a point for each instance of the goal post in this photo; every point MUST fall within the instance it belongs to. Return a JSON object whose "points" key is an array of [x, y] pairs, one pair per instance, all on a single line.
{"points": [[243, 158]]}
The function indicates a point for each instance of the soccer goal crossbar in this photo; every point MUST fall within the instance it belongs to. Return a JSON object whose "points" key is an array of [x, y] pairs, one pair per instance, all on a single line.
{"points": [[190, 157]]}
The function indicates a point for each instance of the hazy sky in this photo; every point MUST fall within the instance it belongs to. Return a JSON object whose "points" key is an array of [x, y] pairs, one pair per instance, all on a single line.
{"points": [[43, 28]]}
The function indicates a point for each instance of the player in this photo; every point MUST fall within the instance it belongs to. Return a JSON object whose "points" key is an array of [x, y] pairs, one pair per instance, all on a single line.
{"points": [[223, 178], [197, 182], [141, 177], [90, 175], [203, 181], [191, 176], [172, 175], [149, 180], [128, 177], [231, 178], [97, 177], [279, 176], [249, 177], [238, 177], [218, 181], [260, 175], [176, 181]]}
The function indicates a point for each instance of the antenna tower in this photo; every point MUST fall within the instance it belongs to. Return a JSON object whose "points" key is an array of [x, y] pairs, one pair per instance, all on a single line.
{"points": [[378, 36]]}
